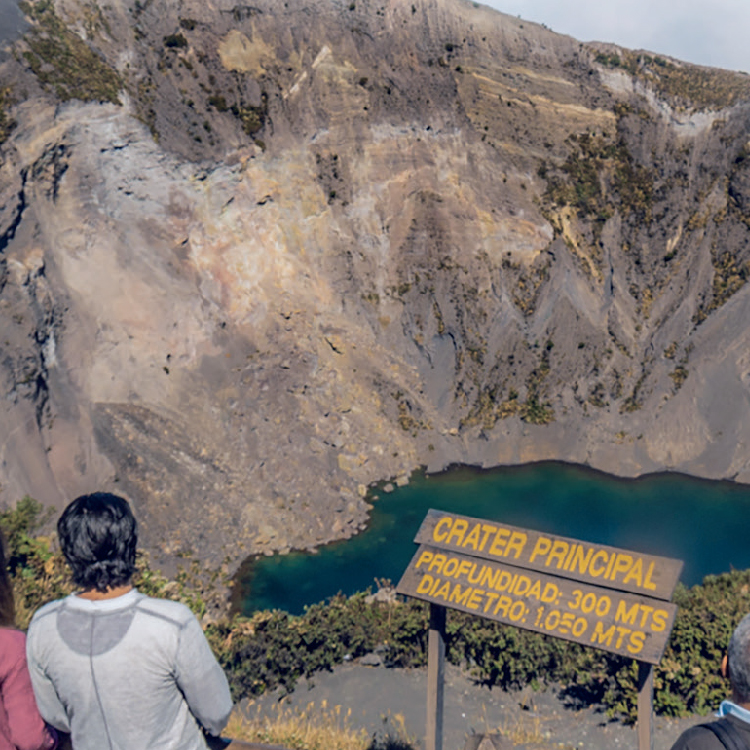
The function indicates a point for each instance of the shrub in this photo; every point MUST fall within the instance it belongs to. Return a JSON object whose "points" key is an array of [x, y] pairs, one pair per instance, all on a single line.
{"points": [[175, 41]]}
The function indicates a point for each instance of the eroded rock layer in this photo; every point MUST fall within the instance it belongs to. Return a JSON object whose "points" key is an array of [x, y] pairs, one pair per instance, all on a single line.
{"points": [[255, 258]]}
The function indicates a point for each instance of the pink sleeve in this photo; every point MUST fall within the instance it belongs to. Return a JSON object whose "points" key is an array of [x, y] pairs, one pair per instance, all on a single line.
{"points": [[27, 728]]}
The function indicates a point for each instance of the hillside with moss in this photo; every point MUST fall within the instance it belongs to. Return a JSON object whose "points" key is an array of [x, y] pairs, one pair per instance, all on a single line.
{"points": [[258, 257]]}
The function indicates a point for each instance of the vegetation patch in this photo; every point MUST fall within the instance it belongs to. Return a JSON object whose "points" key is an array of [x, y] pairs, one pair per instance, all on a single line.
{"points": [[175, 41], [406, 418], [729, 277], [528, 285], [314, 727], [252, 118], [598, 178], [488, 408], [536, 410], [6, 122], [63, 62], [686, 85], [634, 402], [597, 397], [679, 376]]}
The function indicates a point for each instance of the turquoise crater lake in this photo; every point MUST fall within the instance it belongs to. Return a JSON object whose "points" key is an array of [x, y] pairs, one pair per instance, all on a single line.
{"points": [[702, 522]]}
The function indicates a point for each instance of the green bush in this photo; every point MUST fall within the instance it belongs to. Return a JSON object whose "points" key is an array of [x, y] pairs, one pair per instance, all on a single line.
{"points": [[6, 122], [175, 41]]}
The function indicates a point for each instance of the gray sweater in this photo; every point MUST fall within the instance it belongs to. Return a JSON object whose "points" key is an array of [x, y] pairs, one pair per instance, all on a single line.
{"points": [[129, 673]]}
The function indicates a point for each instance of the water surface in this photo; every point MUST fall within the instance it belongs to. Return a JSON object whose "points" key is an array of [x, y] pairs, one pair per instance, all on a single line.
{"points": [[701, 522]]}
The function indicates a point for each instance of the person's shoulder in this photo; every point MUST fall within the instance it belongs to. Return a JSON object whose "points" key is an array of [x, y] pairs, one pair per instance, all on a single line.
{"points": [[175, 613], [698, 737], [12, 646], [11, 638], [44, 612], [12, 650]]}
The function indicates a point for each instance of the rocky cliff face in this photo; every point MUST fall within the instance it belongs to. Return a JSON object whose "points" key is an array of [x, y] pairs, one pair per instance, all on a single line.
{"points": [[257, 257]]}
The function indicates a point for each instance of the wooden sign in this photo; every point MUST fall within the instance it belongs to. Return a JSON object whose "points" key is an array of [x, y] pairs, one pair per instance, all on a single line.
{"points": [[623, 623], [597, 564], [592, 594]]}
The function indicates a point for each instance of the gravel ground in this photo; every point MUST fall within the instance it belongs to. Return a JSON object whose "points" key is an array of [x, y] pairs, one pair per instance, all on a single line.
{"points": [[384, 700]]}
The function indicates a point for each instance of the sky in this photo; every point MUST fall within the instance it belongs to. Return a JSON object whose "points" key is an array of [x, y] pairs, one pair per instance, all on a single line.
{"points": [[705, 32]]}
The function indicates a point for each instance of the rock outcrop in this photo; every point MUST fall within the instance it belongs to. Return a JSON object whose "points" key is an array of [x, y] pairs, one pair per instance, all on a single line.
{"points": [[255, 258]]}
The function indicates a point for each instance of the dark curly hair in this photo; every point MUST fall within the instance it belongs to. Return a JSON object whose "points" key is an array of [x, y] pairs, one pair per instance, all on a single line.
{"points": [[98, 535]]}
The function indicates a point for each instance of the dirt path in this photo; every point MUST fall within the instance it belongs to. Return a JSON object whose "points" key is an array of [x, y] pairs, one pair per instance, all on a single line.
{"points": [[383, 700]]}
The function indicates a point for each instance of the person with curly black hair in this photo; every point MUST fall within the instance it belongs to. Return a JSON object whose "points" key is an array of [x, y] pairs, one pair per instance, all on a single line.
{"points": [[111, 666]]}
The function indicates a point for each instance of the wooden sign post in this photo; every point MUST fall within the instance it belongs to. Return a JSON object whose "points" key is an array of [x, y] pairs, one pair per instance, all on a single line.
{"points": [[592, 594], [435, 677]]}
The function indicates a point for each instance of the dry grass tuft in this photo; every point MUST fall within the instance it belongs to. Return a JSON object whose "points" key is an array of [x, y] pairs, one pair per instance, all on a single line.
{"points": [[313, 728]]}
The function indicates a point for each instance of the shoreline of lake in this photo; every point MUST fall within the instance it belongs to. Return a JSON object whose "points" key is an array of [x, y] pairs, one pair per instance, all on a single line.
{"points": [[657, 513]]}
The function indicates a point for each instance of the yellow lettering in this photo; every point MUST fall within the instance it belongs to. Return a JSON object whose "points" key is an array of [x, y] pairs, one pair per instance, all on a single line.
{"points": [[600, 554], [505, 579], [502, 606], [609, 567], [536, 590], [623, 563], [517, 543], [659, 620], [522, 587], [550, 593], [646, 610], [424, 584], [559, 550], [541, 548], [450, 567], [473, 539], [470, 577], [517, 611], [437, 563], [437, 533], [444, 591], [637, 642], [457, 532], [491, 596], [621, 633], [459, 597], [647, 584], [581, 560], [425, 557], [496, 548], [475, 599], [463, 568], [635, 573], [488, 529], [489, 577], [624, 614], [600, 637]]}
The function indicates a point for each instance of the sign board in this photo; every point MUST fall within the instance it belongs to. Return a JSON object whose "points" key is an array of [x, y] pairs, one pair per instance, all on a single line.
{"points": [[592, 594], [596, 564], [623, 623], [543, 583]]}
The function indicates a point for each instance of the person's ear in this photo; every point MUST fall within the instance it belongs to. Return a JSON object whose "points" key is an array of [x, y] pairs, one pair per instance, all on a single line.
{"points": [[725, 666]]}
